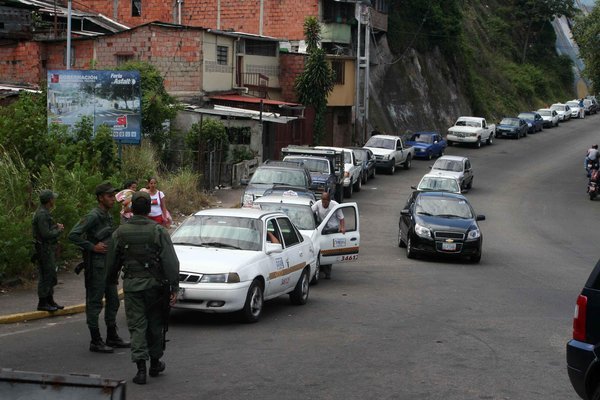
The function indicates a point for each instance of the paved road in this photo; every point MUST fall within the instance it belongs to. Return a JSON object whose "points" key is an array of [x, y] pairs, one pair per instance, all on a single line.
{"points": [[387, 327]]}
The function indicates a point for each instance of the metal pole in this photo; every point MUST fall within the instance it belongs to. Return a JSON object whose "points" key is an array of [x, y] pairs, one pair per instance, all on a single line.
{"points": [[260, 17], [357, 77], [366, 74], [69, 36]]}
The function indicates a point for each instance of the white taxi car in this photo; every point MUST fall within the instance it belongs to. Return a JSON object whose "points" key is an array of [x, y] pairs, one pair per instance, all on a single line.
{"points": [[235, 259], [332, 247]]}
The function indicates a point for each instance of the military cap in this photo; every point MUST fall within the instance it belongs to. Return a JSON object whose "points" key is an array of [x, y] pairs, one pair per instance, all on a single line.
{"points": [[140, 196], [47, 195], [105, 187]]}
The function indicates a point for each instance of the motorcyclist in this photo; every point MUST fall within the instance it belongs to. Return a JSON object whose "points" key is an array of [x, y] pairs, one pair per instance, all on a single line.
{"points": [[592, 159]]}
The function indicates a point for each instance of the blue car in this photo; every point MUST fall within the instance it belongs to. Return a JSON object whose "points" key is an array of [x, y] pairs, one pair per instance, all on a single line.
{"points": [[427, 144], [534, 120]]}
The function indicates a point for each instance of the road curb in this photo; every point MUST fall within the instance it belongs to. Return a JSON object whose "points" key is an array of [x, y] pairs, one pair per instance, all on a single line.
{"points": [[33, 315]]}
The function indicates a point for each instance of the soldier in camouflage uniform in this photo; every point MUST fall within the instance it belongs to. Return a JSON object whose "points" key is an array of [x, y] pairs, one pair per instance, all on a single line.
{"points": [[150, 281], [45, 235], [92, 234]]}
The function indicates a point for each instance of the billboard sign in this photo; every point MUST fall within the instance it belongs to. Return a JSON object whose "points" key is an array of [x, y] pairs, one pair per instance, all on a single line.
{"points": [[111, 98]]}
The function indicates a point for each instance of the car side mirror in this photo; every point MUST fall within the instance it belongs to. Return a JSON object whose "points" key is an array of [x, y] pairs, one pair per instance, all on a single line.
{"points": [[480, 218], [274, 248], [413, 187], [244, 182], [405, 212]]}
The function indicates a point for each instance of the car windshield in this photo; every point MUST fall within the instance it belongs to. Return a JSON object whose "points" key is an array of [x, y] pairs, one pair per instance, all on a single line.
{"points": [[313, 164], [510, 121], [448, 165], [274, 176], [573, 103], [558, 107], [422, 138], [443, 207], [381, 143], [301, 215], [347, 157], [527, 116], [439, 184], [359, 154], [545, 113], [474, 124], [220, 231]]}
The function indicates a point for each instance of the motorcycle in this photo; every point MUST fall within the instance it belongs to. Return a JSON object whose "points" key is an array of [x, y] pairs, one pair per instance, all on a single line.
{"points": [[591, 165], [593, 188]]}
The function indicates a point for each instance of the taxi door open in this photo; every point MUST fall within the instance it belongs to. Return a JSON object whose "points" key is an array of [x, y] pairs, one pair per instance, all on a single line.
{"points": [[337, 247]]}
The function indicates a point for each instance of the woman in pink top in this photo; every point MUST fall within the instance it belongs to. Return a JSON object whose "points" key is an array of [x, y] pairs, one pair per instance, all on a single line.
{"points": [[124, 197], [158, 208]]}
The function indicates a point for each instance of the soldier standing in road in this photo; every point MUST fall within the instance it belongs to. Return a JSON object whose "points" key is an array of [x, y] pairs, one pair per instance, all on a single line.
{"points": [[150, 281], [92, 234], [45, 235]]}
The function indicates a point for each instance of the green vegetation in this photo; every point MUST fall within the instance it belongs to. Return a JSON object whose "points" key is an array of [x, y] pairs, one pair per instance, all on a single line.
{"points": [[503, 50], [33, 157], [315, 83], [587, 34]]}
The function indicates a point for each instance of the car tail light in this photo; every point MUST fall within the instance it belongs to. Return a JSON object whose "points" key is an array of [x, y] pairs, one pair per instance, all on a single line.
{"points": [[579, 318]]}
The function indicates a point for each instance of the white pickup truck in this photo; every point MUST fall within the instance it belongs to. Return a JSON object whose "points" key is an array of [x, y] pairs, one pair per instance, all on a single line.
{"points": [[390, 152], [352, 170], [472, 130]]}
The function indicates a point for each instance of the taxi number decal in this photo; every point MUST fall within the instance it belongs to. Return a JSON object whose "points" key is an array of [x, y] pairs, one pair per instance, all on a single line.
{"points": [[279, 264], [285, 281], [348, 258], [341, 242]]}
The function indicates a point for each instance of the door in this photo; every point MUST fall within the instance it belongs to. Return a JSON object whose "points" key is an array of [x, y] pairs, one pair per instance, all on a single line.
{"points": [[337, 247], [296, 253], [277, 263]]}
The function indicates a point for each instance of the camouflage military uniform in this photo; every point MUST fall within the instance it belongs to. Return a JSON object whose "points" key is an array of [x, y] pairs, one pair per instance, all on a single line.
{"points": [[95, 227], [45, 234], [150, 274]]}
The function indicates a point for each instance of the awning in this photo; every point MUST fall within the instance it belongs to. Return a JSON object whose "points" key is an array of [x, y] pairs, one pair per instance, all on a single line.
{"points": [[251, 100], [241, 113]]}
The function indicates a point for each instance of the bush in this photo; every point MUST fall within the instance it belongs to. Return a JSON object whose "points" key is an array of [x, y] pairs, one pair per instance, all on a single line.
{"points": [[182, 192]]}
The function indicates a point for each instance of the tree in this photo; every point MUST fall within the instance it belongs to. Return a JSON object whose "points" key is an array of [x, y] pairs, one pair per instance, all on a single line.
{"points": [[535, 13], [315, 83], [587, 35]]}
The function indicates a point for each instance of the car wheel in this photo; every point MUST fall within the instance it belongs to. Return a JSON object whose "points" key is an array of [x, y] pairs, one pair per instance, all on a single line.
{"points": [[364, 177], [592, 195], [300, 294], [400, 241], [478, 144], [254, 302], [408, 162], [358, 184], [429, 155], [470, 185], [490, 140], [374, 173], [475, 258], [449, 143], [518, 136], [410, 252], [348, 191], [441, 153], [315, 279], [392, 169]]}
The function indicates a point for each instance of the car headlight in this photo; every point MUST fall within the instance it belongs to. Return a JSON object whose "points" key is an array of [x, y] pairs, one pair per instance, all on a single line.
{"points": [[422, 231], [230, 277], [474, 234], [386, 157]]}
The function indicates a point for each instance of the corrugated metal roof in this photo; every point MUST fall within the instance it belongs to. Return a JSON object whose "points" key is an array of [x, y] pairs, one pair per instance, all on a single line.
{"points": [[241, 113], [251, 100]]}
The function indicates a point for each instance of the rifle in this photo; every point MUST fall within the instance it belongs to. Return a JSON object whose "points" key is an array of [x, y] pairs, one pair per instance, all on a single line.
{"points": [[166, 311]]}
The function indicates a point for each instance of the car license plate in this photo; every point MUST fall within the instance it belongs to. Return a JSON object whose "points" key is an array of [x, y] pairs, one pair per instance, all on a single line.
{"points": [[180, 294], [449, 246]]}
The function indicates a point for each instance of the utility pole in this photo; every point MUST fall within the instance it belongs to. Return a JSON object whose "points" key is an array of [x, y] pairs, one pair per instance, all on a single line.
{"points": [[361, 106], [69, 36]]}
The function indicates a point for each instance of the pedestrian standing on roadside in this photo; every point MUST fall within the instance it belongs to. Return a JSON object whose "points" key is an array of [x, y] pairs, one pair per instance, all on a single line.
{"points": [[336, 223], [158, 211], [124, 197], [92, 234], [144, 250], [45, 236]]}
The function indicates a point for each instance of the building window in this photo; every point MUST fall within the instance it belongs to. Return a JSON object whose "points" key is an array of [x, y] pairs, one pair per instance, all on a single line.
{"points": [[339, 72], [136, 8], [241, 135], [261, 48], [222, 52], [123, 58]]}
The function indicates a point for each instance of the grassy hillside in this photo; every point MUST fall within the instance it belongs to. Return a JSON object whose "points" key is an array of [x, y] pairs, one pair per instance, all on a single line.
{"points": [[505, 62]]}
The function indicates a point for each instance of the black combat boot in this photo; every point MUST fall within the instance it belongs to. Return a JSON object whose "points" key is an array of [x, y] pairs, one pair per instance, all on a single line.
{"points": [[140, 377], [156, 367], [53, 303], [97, 345], [43, 305], [113, 339]]}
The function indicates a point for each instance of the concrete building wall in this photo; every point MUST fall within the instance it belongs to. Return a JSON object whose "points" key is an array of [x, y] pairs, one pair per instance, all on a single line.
{"points": [[20, 64], [217, 77]]}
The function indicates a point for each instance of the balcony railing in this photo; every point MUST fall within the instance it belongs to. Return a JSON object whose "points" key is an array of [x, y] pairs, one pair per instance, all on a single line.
{"points": [[255, 82]]}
